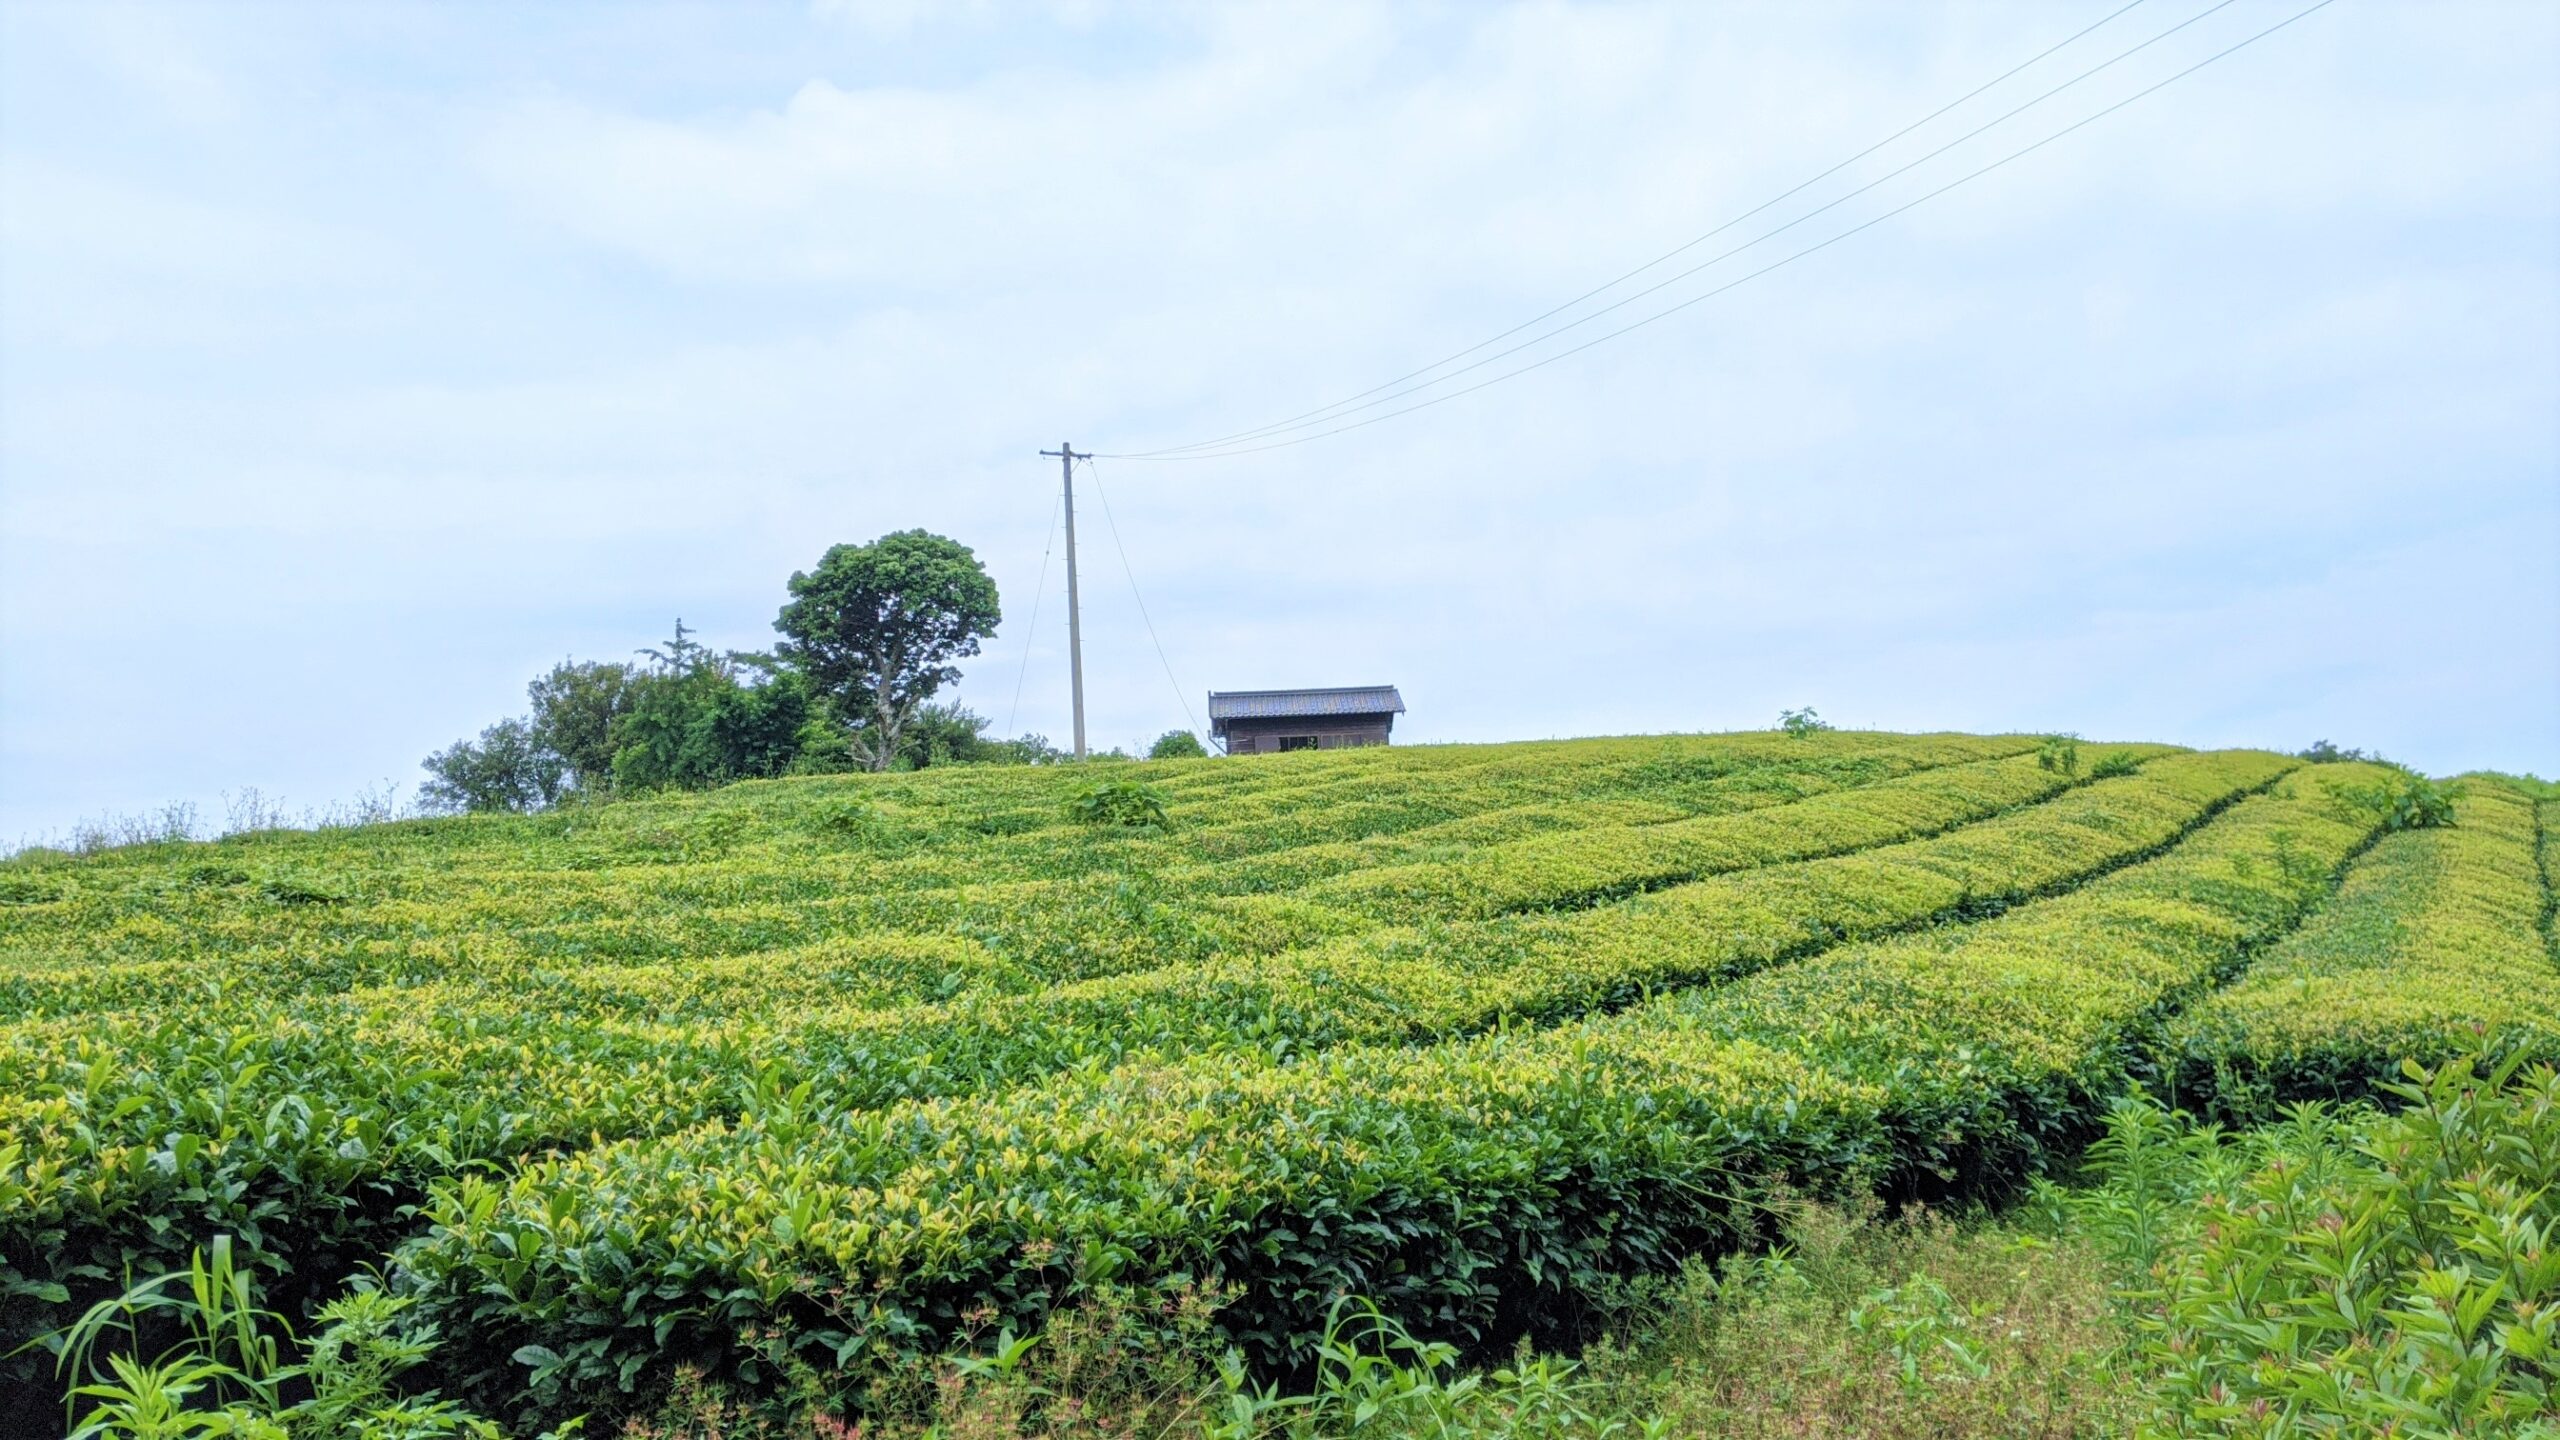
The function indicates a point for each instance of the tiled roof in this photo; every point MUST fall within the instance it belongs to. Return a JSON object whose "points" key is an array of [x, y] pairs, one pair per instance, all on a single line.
{"points": [[1279, 704]]}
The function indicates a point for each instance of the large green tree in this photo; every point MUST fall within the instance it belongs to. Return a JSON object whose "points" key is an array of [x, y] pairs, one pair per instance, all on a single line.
{"points": [[697, 717], [507, 768], [876, 628], [1176, 745], [574, 710]]}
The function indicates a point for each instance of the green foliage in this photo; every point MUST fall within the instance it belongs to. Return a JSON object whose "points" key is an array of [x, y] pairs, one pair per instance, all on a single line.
{"points": [[2345, 1272], [1510, 1172], [1919, 1323], [824, 745], [2059, 754], [948, 734], [1029, 748], [575, 709], [1373, 1376], [2321, 752], [1123, 1364], [809, 1086], [2429, 950], [1916, 1328], [221, 1365], [2114, 763], [291, 886], [1177, 745], [850, 818], [188, 1057], [691, 718], [697, 718], [1117, 802], [2410, 801], [1580, 867], [1801, 723], [507, 768], [1859, 1323], [876, 628]]}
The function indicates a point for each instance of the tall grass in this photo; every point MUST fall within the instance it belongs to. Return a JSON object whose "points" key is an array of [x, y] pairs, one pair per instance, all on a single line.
{"points": [[246, 811]]}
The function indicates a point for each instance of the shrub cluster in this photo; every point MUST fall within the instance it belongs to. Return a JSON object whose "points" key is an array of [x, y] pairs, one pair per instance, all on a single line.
{"points": [[2344, 1272]]}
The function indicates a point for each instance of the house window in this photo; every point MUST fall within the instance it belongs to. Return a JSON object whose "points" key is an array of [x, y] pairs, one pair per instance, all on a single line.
{"points": [[1297, 742]]}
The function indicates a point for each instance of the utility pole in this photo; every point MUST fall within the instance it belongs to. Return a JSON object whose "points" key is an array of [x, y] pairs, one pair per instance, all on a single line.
{"points": [[1067, 458]]}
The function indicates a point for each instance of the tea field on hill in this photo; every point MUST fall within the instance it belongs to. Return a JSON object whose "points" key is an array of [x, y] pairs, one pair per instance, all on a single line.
{"points": [[812, 1077]]}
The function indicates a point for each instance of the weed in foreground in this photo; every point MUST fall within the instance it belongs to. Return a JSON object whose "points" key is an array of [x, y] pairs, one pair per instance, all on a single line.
{"points": [[1867, 1327], [193, 1354]]}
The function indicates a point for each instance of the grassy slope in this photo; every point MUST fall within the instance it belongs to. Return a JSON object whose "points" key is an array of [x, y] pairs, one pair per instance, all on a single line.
{"points": [[286, 1034], [1480, 1185], [294, 1034]]}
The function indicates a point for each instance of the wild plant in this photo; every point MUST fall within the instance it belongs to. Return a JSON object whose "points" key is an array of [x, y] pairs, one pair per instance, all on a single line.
{"points": [[2344, 1271], [1123, 802], [193, 1354], [2059, 754]]}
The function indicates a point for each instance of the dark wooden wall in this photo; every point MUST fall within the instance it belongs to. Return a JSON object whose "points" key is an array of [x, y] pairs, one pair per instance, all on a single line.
{"points": [[1331, 732]]}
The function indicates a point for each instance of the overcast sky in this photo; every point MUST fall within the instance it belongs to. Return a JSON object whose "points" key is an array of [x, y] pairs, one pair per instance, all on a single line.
{"points": [[359, 362]]}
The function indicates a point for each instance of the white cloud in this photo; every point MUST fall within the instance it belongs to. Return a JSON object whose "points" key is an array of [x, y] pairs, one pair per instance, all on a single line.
{"points": [[2229, 418]]}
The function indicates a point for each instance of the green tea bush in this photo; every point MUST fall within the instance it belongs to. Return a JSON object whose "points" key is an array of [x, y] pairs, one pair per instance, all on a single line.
{"points": [[1582, 866], [188, 1057], [1471, 1186], [813, 1082], [2430, 950]]}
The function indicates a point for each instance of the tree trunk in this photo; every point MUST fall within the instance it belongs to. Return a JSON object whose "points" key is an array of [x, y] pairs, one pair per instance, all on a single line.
{"points": [[891, 719]]}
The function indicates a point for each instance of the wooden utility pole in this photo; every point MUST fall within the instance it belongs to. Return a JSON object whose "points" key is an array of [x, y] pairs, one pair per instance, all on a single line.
{"points": [[1067, 458]]}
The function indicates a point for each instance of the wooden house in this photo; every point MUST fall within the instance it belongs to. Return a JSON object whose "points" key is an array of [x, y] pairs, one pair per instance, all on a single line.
{"points": [[1255, 722]]}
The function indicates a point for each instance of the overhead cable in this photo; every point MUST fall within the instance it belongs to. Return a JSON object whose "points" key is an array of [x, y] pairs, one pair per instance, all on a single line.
{"points": [[1179, 694], [1755, 274], [1032, 631], [1394, 394]]}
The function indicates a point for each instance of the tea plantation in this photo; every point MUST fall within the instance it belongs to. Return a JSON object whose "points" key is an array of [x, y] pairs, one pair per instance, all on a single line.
{"points": [[812, 1077]]}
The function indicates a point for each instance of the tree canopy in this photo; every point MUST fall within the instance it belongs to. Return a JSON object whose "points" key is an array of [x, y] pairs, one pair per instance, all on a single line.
{"points": [[507, 768], [870, 636], [876, 629], [574, 710], [700, 717], [1176, 745]]}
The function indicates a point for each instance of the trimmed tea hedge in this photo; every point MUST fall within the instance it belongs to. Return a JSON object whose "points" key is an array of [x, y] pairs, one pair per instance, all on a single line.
{"points": [[809, 1072], [286, 1036], [1465, 1186], [2432, 950]]}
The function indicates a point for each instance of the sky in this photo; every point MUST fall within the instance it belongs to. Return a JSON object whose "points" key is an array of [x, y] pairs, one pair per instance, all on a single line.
{"points": [[358, 363]]}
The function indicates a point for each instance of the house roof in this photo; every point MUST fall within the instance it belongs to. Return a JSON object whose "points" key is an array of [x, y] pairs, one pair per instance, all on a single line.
{"points": [[1290, 704]]}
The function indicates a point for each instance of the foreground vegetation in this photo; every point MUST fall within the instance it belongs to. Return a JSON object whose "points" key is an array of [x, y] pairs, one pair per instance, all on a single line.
{"points": [[2343, 1271], [806, 1099]]}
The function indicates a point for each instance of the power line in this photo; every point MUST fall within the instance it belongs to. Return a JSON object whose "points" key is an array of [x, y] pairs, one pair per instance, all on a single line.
{"points": [[1038, 591], [1763, 270], [1344, 408], [1673, 252], [1178, 692]]}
